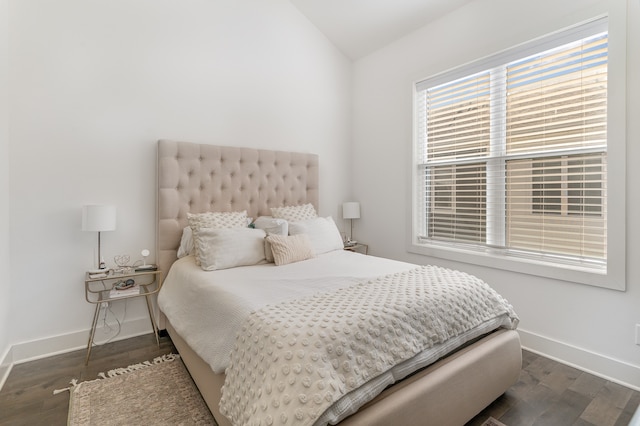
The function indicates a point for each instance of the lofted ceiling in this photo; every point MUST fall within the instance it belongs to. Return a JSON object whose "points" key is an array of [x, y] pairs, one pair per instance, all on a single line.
{"points": [[359, 27]]}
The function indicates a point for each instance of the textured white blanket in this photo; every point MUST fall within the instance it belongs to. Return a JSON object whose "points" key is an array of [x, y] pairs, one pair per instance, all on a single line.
{"points": [[294, 359], [208, 308]]}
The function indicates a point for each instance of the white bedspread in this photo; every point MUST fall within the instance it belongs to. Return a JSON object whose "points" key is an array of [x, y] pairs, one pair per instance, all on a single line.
{"points": [[207, 308], [292, 361]]}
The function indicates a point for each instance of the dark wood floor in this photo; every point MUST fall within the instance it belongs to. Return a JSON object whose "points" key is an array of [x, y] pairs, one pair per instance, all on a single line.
{"points": [[548, 393], [27, 396], [552, 394]]}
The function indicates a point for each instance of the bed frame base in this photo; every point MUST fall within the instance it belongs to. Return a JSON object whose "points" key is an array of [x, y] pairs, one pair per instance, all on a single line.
{"points": [[449, 392]]}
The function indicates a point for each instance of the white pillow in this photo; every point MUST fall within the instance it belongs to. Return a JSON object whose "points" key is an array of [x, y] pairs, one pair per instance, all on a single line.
{"points": [[215, 220], [322, 232], [289, 249], [272, 226], [294, 213], [186, 243], [228, 248]]}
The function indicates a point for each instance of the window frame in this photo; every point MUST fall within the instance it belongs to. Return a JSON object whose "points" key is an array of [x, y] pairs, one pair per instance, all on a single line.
{"points": [[613, 275]]}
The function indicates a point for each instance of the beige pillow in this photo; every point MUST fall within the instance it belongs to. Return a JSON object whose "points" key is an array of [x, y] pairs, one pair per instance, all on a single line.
{"points": [[289, 249], [294, 213], [217, 220]]}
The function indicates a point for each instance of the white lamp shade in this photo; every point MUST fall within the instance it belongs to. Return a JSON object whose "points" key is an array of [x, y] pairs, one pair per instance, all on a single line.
{"points": [[98, 218], [351, 210]]}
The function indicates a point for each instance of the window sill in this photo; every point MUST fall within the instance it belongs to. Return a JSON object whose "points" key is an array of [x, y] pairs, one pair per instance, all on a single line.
{"points": [[497, 259]]}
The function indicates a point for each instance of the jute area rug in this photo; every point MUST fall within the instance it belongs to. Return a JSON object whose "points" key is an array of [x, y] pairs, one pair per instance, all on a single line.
{"points": [[160, 392]]}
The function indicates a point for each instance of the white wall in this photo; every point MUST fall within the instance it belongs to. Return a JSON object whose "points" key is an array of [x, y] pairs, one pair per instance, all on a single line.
{"points": [[94, 84], [5, 273], [587, 326]]}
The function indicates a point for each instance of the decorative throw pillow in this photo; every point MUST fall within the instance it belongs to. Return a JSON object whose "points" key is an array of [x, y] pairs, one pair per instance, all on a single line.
{"points": [[228, 248], [271, 226], [322, 231], [218, 220], [294, 213], [186, 243], [289, 249]]}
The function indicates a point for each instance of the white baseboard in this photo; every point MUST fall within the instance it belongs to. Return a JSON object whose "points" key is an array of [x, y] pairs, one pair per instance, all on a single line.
{"points": [[63, 343], [6, 362], [608, 368]]}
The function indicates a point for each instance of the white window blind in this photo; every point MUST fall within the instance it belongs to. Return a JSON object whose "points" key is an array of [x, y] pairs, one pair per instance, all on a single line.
{"points": [[514, 156]]}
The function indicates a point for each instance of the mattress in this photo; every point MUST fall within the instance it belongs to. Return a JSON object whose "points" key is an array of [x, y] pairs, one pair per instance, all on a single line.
{"points": [[208, 309]]}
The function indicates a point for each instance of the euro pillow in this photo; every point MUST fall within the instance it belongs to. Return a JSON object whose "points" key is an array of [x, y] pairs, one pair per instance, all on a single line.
{"points": [[294, 213], [290, 249], [218, 220], [322, 232], [229, 248], [272, 226]]}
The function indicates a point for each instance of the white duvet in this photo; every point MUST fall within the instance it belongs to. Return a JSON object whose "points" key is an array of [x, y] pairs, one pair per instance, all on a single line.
{"points": [[207, 308]]}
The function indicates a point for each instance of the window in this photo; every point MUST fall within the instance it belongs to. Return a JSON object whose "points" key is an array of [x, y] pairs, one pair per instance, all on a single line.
{"points": [[511, 159], [565, 186]]}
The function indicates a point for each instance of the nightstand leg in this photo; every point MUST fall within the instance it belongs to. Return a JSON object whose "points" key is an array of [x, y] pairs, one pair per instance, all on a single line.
{"points": [[93, 333], [153, 323]]}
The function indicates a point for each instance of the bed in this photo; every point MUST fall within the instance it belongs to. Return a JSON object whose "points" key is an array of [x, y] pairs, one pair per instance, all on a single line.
{"points": [[448, 385]]}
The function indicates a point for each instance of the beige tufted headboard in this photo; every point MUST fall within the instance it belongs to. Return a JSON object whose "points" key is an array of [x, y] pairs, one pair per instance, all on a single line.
{"points": [[197, 178]]}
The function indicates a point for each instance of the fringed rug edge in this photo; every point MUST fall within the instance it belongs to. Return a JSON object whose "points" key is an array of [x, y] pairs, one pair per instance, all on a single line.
{"points": [[120, 371]]}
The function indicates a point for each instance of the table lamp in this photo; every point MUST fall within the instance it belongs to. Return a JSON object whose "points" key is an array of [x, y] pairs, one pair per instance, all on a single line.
{"points": [[351, 210], [99, 218]]}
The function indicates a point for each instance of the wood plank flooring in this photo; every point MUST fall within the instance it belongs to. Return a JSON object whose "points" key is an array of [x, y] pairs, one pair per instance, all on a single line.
{"points": [[552, 394], [27, 396], [548, 393]]}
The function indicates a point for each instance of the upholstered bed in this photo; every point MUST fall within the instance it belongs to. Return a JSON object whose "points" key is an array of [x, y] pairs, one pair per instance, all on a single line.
{"points": [[195, 178]]}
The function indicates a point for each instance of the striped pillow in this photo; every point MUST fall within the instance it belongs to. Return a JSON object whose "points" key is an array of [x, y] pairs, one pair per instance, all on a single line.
{"points": [[289, 249]]}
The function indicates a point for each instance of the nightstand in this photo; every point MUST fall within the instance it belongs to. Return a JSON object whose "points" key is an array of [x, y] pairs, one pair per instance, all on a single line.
{"points": [[358, 248], [101, 290]]}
